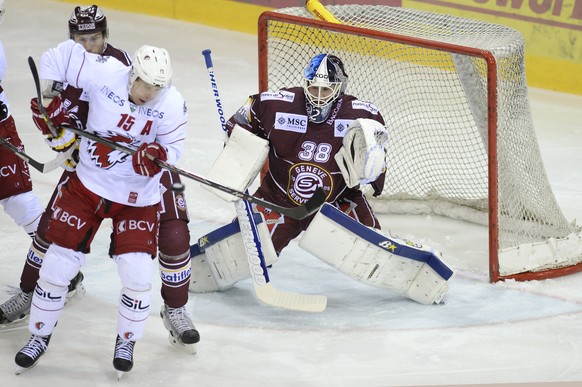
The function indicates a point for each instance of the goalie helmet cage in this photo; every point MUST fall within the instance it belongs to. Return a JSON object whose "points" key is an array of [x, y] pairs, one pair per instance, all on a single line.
{"points": [[454, 97]]}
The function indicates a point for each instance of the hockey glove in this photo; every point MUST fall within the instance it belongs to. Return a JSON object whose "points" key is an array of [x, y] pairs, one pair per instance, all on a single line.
{"points": [[362, 158], [143, 164], [71, 164], [56, 113], [63, 141]]}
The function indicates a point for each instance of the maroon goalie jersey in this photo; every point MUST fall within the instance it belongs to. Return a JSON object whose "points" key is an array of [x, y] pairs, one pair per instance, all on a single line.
{"points": [[301, 155]]}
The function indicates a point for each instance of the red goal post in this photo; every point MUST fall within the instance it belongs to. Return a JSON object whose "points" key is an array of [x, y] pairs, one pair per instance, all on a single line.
{"points": [[454, 97]]}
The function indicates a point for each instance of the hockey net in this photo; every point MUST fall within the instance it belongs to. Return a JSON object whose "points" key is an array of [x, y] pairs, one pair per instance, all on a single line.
{"points": [[454, 97]]}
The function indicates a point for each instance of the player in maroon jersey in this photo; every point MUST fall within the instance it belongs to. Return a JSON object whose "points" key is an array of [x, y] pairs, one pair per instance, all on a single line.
{"points": [[305, 127], [317, 136], [16, 196]]}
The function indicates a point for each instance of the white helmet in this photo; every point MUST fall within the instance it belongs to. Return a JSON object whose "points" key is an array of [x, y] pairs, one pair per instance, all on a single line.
{"points": [[152, 65]]}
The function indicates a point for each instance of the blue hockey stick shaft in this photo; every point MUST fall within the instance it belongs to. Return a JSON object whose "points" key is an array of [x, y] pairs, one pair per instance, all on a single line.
{"points": [[248, 209], [264, 290]]}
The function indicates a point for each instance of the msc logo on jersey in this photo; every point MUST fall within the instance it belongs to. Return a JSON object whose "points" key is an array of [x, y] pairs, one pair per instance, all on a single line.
{"points": [[365, 105], [280, 95], [291, 122], [304, 178]]}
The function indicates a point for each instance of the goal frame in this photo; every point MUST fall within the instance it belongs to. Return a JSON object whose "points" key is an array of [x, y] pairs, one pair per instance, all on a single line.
{"points": [[492, 118]]}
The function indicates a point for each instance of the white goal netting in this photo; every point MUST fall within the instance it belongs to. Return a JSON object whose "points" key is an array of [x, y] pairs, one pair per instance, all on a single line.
{"points": [[454, 97]]}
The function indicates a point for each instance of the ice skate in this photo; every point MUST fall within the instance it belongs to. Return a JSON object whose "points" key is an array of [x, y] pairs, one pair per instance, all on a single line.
{"points": [[183, 334], [13, 312], [28, 356], [76, 288], [123, 356]]}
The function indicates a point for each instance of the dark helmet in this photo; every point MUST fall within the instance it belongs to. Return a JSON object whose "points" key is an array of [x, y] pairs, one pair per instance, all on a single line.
{"points": [[87, 20], [325, 80]]}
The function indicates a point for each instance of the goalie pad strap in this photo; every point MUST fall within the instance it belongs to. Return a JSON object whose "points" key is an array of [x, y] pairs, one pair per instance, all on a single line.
{"points": [[375, 259], [239, 162]]}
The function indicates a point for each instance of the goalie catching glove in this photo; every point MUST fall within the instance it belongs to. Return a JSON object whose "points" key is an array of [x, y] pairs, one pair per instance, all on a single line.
{"points": [[143, 159], [362, 158]]}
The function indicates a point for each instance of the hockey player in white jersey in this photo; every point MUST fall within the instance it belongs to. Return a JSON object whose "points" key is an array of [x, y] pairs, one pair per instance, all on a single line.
{"points": [[88, 26], [138, 107]]}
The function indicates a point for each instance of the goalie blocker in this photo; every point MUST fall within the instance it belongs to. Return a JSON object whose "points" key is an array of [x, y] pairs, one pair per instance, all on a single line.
{"points": [[376, 259]]}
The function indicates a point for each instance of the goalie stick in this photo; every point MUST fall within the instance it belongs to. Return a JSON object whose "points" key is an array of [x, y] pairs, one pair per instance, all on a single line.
{"points": [[41, 167], [300, 212], [264, 290]]}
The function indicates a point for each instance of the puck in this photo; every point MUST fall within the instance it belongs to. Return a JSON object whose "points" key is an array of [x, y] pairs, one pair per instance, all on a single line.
{"points": [[178, 187]]}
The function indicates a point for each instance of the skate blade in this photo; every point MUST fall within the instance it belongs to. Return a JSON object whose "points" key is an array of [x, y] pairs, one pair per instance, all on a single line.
{"points": [[19, 370], [189, 348]]}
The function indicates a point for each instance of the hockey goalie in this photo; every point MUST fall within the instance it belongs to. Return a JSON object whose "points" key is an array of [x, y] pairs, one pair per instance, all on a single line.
{"points": [[314, 135]]}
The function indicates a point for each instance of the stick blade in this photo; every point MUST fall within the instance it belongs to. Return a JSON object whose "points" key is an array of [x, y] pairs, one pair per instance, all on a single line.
{"points": [[316, 201], [290, 300], [305, 210]]}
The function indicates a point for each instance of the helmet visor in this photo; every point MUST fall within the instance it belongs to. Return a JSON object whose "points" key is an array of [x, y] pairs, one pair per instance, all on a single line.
{"points": [[322, 93]]}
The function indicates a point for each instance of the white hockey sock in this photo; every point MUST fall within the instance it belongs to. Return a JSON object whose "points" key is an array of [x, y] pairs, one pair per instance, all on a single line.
{"points": [[48, 301], [134, 309]]}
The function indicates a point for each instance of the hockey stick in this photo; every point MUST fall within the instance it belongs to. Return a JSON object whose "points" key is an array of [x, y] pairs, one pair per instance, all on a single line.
{"points": [[45, 116], [264, 290], [307, 209], [41, 167], [319, 11], [300, 212]]}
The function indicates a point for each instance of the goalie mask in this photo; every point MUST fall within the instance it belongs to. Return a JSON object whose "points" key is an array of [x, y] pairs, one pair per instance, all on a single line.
{"points": [[152, 65], [87, 20], [325, 80]]}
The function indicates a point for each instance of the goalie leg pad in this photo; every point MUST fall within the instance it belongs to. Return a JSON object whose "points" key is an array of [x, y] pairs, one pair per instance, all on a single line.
{"points": [[375, 259], [219, 258], [239, 162]]}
